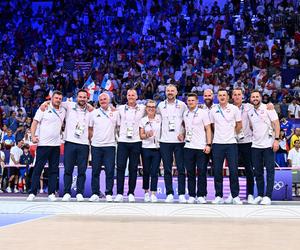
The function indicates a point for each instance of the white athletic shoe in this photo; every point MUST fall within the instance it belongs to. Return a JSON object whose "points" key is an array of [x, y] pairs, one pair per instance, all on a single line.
{"points": [[108, 198], [118, 198], [229, 200], [257, 200], [250, 199], [154, 198], [94, 198], [237, 201], [181, 198], [218, 200], [170, 198], [31, 197], [52, 197], [8, 190], [66, 197], [79, 198], [131, 198], [191, 200], [16, 190], [266, 201], [146, 197], [201, 200]]}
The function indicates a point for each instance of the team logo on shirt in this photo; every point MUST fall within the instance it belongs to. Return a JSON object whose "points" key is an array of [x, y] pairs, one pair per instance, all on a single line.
{"points": [[262, 111], [228, 110], [111, 114]]}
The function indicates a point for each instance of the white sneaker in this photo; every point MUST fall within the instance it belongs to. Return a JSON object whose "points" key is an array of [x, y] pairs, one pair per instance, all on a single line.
{"points": [[170, 198], [146, 197], [218, 200], [30, 197], [52, 197], [250, 199], [191, 200], [131, 198], [1, 191], [8, 190], [108, 198], [79, 198], [201, 200], [41, 191], [118, 198], [237, 201], [154, 198], [257, 200], [265, 201], [181, 198], [66, 197], [16, 190], [229, 200], [94, 198]]}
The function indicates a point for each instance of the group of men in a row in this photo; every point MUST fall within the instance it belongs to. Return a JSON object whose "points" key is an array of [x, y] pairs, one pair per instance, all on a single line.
{"points": [[191, 133]]}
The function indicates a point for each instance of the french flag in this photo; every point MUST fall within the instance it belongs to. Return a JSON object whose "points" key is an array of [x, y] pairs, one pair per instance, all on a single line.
{"points": [[107, 83], [158, 74], [141, 64], [90, 87]]}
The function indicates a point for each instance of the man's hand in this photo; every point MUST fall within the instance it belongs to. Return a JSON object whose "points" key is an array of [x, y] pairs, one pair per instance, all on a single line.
{"points": [[35, 139], [207, 149], [44, 105], [180, 137], [275, 146]]}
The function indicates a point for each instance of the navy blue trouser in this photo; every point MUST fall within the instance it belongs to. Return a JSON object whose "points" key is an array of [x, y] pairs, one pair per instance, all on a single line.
{"points": [[75, 155], [244, 150], [230, 152], [103, 156], [151, 162], [132, 152], [167, 150], [264, 157], [196, 158], [44, 154]]}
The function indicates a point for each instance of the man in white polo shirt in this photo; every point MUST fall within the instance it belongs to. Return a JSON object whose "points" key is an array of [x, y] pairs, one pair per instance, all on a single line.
{"points": [[244, 140], [102, 132], [294, 155], [226, 121], [76, 150], [14, 161], [46, 132], [265, 126], [197, 147], [172, 141], [129, 144]]}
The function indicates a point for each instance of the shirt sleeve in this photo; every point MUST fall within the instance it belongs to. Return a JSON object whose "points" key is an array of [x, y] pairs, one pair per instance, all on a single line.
{"points": [[206, 120], [39, 115], [91, 122], [273, 115], [237, 115]]}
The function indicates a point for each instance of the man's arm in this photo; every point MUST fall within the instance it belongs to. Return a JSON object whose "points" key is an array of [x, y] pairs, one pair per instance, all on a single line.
{"points": [[33, 128], [238, 127], [276, 126], [91, 132]]}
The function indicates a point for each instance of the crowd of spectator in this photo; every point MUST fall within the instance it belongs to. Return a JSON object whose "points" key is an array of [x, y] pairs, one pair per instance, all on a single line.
{"points": [[144, 45]]}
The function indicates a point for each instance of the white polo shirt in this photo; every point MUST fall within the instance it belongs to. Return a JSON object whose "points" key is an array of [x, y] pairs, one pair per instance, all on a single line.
{"points": [[261, 121], [129, 121], [195, 123], [294, 109], [151, 125], [76, 117], [49, 127], [294, 156], [244, 109], [16, 152], [104, 123], [171, 113], [224, 120]]}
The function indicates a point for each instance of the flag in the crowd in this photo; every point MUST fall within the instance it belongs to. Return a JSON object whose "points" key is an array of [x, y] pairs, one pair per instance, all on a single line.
{"points": [[194, 71], [50, 94], [158, 74], [141, 64], [107, 83], [90, 87], [84, 66]]}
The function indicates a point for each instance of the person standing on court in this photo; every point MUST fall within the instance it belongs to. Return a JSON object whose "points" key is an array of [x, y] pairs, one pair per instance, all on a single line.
{"points": [[150, 129], [226, 122], [244, 140], [129, 144], [265, 142], [46, 132], [197, 147], [76, 150], [172, 141], [102, 133]]}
